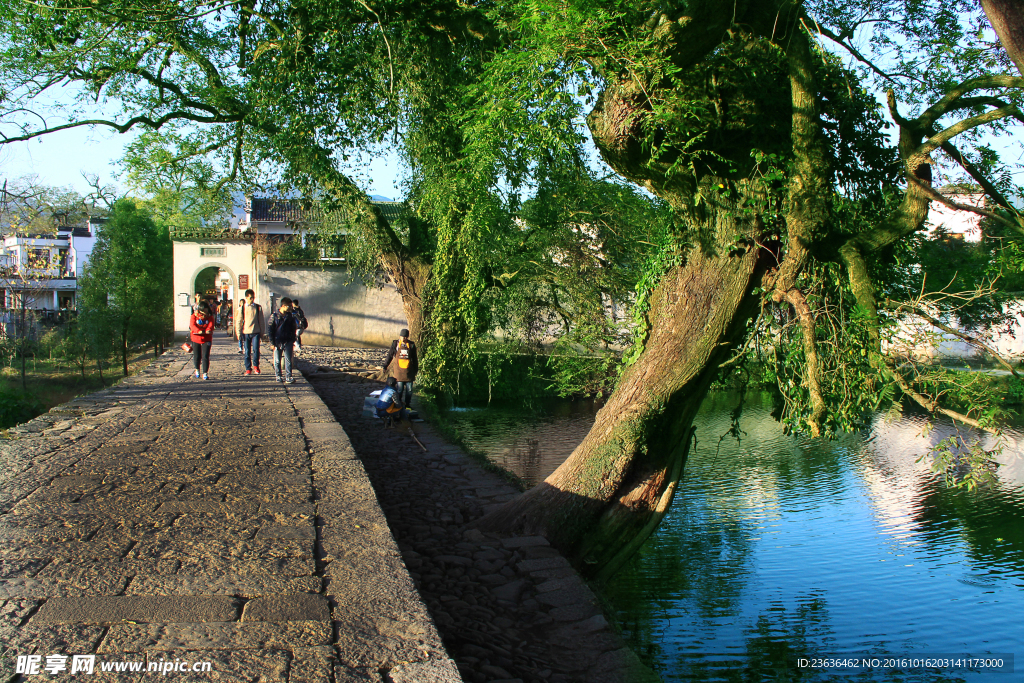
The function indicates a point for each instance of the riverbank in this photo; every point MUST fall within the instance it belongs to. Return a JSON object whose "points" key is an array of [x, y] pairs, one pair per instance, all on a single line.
{"points": [[507, 609]]}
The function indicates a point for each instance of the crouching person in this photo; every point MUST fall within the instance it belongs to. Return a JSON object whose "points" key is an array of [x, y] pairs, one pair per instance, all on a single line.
{"points": [[389, 406]]}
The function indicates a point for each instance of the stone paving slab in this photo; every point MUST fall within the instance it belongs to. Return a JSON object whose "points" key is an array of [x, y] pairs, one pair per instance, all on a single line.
{"points": [[139, 608], [225, 523]]}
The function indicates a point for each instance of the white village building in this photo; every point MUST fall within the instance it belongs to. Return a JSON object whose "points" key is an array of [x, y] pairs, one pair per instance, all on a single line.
{"points": [[224, 262], [41, 271]]}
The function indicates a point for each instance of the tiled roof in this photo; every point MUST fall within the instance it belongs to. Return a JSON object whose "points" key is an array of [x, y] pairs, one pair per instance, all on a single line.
{"points": [[285, 210], [391, 210], [264, 209]]}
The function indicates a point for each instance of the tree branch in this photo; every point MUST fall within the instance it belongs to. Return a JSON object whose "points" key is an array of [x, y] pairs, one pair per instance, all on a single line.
{"points": [[991, 190], [805, 317], [931, 405], [123, 127], [940, 138], [942, 199], [851, 49], [973, 341], [942, 107]]}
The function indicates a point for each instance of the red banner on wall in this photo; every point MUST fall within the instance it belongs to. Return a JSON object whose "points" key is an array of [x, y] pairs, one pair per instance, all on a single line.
{"points": [[243, 282]]}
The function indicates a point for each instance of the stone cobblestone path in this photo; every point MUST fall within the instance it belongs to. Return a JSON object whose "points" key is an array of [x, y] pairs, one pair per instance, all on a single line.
{"points": [[228, 521]]}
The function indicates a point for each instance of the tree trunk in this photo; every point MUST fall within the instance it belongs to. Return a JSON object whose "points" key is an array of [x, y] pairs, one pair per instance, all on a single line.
{"points": [[409, 275], [124, 351], [24, 343], [601, 504], [1007, 18], [612, 491], [99, 366]]}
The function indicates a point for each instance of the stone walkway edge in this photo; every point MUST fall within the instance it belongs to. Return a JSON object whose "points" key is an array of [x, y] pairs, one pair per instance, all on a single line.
{"points": [[170, 519]]}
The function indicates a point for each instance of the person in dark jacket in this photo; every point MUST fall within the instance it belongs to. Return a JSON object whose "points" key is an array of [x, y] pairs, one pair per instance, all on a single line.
{"points": [[282, 329], [201, 328], [303, 324], [404, 365]]}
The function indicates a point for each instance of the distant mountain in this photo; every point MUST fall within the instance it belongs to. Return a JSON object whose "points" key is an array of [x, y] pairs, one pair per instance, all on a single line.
{"points": [[380, 198]]}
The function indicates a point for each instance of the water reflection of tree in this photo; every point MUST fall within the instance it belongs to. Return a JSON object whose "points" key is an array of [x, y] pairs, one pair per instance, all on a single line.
{"points": [[705, 571], [696, 568], [814, 468], [987, 519], [774, 644]]}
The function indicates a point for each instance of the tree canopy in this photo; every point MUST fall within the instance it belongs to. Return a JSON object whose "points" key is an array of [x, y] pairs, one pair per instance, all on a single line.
{"points": [[126, 291]]}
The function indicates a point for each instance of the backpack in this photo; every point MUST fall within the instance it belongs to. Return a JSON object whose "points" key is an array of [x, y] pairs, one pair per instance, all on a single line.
{"points": [[402, 352]]}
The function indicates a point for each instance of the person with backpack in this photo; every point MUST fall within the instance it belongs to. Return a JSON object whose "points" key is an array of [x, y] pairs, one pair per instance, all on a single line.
{"points": [[250, 326], [201, 328], [402, 360], [282, 328], [303, 324]]}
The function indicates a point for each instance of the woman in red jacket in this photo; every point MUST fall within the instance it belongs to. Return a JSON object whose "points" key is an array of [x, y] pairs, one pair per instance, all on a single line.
{"points": [[201, 326]]}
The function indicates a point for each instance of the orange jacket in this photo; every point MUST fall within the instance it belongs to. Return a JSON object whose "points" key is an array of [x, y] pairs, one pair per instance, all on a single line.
{"points": [[201, 332]]}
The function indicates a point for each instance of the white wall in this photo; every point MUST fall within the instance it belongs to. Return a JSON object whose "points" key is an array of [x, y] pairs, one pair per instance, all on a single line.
{"points": [[81, 250], [188, 263], [340, 312]]}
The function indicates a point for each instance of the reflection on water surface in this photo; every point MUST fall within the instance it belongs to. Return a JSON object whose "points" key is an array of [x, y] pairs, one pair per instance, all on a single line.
{"points": [[778, 548]]}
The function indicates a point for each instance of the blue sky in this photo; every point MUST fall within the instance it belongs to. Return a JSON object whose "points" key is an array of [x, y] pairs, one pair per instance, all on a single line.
{"points": [[59, 159]]}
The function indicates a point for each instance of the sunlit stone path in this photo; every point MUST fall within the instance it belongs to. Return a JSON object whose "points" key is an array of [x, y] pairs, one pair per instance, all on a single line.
{"points": [[216, 530]]}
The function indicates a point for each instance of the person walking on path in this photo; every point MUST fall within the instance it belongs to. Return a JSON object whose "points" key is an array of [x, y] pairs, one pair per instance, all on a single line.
{"points": [[402, 360], [201, 328], [303, 324], [250, 326], [282, 328]]}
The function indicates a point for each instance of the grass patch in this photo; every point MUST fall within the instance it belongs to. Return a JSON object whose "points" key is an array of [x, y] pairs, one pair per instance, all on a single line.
{"points": [[51, 383]]}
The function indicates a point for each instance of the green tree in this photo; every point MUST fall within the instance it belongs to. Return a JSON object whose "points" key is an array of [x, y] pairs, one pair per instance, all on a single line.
{"points": [[127, 285]]}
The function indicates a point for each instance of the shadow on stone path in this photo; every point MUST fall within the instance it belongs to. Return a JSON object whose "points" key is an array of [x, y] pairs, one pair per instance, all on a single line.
{"points": [[508, 609], [169, 521]]}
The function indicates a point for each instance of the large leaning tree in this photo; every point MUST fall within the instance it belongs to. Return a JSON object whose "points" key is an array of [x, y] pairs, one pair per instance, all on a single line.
{"points": [[769, 151], [774, 160]]}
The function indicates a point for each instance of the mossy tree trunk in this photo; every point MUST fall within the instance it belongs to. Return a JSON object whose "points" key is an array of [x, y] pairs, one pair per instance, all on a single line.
{"points": [[612, 490]]}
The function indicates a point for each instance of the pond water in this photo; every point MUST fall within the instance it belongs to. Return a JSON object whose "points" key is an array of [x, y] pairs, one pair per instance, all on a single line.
{"points": [[778, 549]]}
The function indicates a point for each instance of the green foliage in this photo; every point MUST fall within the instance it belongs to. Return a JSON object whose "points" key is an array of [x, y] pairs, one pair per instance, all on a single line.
{"points": [[28, 207], [850, 384], [667, 253], [580, 375], [513, 235], [125, 293], [927, 47], [187, 199], [293, 250], [17, 407]]}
